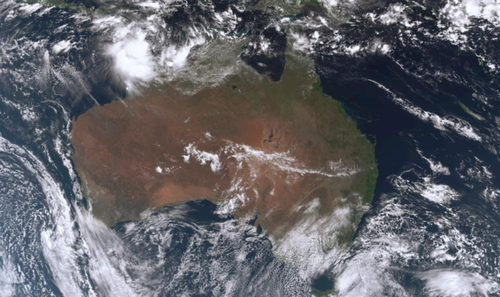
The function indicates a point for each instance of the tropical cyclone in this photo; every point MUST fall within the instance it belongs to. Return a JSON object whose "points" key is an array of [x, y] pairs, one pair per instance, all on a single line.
{"points": [[282, 151]]}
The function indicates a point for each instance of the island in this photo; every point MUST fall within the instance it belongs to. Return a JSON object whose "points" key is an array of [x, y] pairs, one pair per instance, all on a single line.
{"points": [[281, 152]]}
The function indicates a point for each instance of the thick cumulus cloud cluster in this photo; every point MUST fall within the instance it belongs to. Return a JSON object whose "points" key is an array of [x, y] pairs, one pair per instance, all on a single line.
{"points": [[455, 283], [461, 12], [132, 56], [458, 18], [165, 41], [131, 47], [148, 46]]}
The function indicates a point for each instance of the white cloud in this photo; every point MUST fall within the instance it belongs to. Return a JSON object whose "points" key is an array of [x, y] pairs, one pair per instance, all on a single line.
{"points": [[312, 244], [150, 4], [455, 283], [176, 56], [438, 193], [394, 14], [29, 9], [62, 46], [436, 166], [301, 42], [132, 56], [460, 12], [8, 276], [441, 123], [202, 157]]}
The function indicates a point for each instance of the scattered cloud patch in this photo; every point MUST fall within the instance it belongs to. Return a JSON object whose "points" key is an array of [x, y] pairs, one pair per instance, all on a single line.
{"points": [[202, 157], [438, 193], [435, 166], [441, 123]]}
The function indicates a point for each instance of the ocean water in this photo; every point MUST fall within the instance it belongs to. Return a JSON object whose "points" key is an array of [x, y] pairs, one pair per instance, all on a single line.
{"points": [[420, 79]]}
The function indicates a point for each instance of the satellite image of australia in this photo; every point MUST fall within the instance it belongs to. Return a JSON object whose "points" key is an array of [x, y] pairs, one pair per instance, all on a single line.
{"points": [[250, 148]]}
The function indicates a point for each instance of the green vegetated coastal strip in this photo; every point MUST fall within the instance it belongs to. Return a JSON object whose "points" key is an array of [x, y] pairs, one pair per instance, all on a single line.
{"points": [[363, 148], [364, 183]]}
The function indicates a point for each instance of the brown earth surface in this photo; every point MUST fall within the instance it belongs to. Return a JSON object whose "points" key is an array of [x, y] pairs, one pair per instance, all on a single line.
{"points": [[250, 145]]}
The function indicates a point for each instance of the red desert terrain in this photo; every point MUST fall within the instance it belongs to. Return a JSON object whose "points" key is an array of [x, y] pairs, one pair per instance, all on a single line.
{"points": [[251, 146]]}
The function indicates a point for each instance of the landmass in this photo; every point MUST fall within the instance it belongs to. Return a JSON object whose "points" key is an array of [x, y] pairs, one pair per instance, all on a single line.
{"points": [[281, 151]]}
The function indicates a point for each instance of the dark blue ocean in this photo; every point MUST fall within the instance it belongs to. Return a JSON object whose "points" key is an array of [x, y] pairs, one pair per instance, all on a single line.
{"points": [[422, 88]]}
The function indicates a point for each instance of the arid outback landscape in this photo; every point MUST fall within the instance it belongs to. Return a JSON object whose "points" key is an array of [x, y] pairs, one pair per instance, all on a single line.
{"points": [[281, 151]]}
